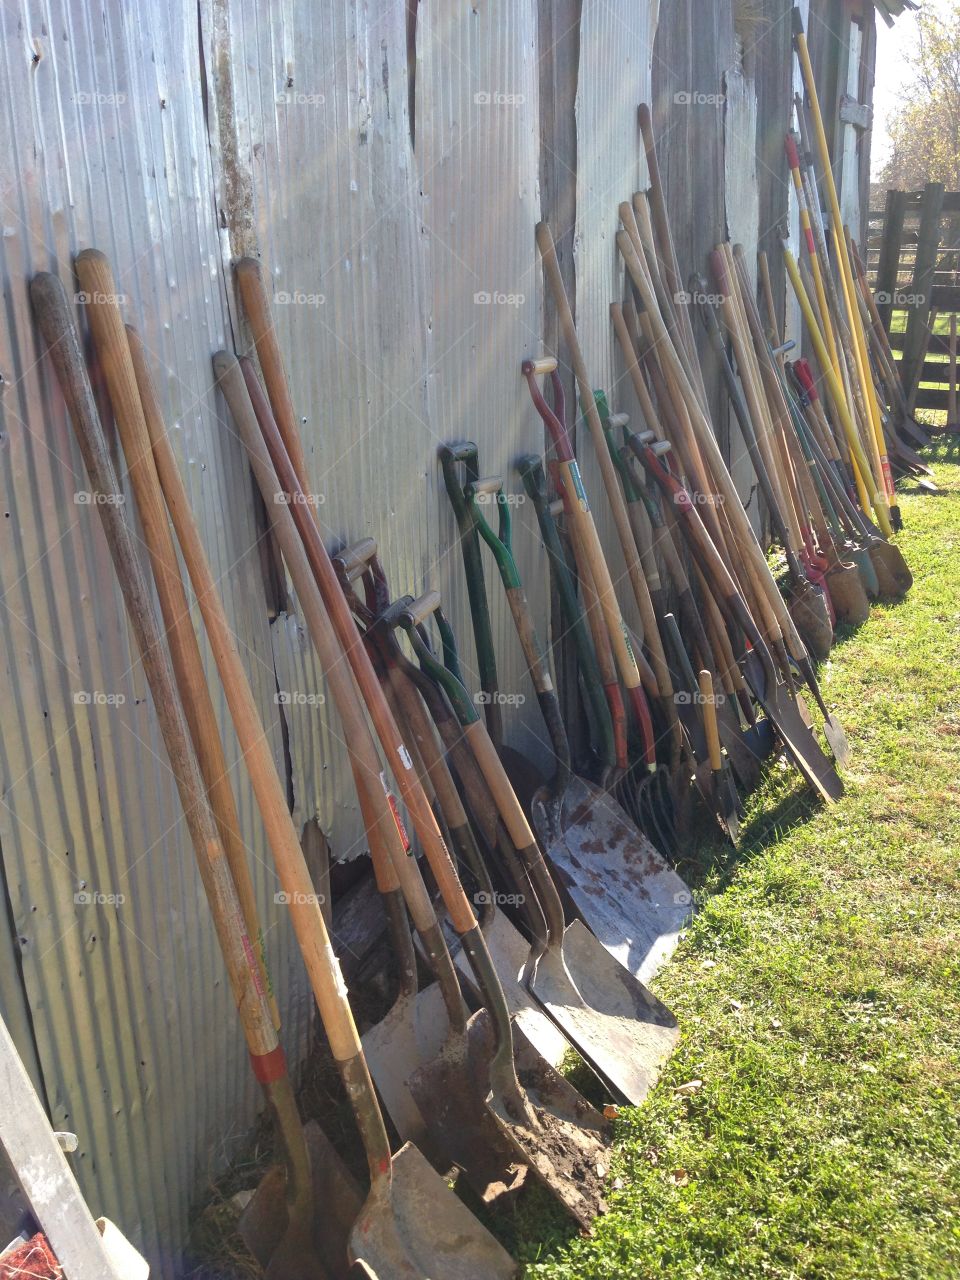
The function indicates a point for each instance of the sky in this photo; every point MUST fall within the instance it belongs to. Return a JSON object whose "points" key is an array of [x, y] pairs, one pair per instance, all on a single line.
{"points": [[891, 75]]}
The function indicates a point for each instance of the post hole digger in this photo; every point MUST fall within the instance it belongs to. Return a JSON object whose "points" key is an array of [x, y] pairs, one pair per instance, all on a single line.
{"points": [[622, 1030], [624, 891]]}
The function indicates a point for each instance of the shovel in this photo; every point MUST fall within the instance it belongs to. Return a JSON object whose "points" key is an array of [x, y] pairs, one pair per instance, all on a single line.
{"points": [[53, 316], [471, 1080], [551, 1145], [756, 663], [524, 775], [622, 1030], [624, 891], [411, 1223]]}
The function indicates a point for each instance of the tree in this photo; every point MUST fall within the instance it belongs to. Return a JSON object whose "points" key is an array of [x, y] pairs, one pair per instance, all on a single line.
{"points": [[925, 132]]}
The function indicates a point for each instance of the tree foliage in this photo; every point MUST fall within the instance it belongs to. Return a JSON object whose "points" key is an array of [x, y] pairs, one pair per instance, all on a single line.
{"points": [[925, 132]]}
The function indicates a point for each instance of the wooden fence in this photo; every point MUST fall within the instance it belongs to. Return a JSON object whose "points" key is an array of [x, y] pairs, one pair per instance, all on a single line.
{"points": [[913, 262]]}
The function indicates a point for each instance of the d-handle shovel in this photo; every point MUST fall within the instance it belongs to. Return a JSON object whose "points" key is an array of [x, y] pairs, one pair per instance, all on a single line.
{"points": [[469, 1095], [622, 1030], [628, 896], [411, 1223], [50, 305]]}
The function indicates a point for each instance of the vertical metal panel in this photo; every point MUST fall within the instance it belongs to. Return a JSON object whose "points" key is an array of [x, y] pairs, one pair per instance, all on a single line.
{"points": [[477, 156], [742, 199], [315, 174], [616, 53], [137, 1041]]}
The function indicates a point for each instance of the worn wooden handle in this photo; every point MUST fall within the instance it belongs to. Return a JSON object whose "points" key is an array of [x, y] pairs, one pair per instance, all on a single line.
{"points": [[114, 355], [279, 431], [710, 727], [53, 316]]}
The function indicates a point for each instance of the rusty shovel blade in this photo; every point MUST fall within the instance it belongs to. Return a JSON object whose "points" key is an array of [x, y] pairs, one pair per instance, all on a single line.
{"points": [[626, 893]]}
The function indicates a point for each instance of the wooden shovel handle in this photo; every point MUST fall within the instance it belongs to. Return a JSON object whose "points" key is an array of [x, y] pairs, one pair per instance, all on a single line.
{"points": [[711, 729], [285, 451], [113, 353], [56, 325]]}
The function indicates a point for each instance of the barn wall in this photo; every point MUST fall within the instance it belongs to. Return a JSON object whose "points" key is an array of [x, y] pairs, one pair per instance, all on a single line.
{"points": [[390, 178]]}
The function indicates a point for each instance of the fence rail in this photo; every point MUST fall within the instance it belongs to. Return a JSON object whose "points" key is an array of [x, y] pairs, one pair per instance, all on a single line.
{"points": [[913, 263]]}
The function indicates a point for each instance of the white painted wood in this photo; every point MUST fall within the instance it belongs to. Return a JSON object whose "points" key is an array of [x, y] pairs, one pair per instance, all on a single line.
{"points": [[45, 1176]]}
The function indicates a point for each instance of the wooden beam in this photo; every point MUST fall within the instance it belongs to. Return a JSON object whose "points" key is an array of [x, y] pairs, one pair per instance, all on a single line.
{"points": [[921, 289], [888, 266]]}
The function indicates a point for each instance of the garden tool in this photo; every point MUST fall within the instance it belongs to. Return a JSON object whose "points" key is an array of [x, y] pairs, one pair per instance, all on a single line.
{"points": [[621, 1029], [645, 793], [267, 1058], [728, 802], [636, 789], [831, 473], [556, 1133], [698, 433], [600, 721], [704, 721], [524, 774], [755, 661], [387, 1232], [500, 1125], [891, 516], [411, 1222], [507, 947], [806, 604], [893, 558], [624, 891]]}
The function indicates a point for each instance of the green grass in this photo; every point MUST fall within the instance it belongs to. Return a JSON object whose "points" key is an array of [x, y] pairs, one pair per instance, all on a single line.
{"points": [[819, 995]]}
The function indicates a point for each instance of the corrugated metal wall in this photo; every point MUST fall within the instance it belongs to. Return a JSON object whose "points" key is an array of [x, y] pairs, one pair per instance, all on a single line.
{"points": [[407, 291]]}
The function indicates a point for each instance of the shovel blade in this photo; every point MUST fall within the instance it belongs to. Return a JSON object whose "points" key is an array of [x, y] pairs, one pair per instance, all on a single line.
{"points": [[796, 734], [626, 893], [561, 1139], [615, 1022], [337, 1201], [415, 1228], [510, 953], [411, 1034]]}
